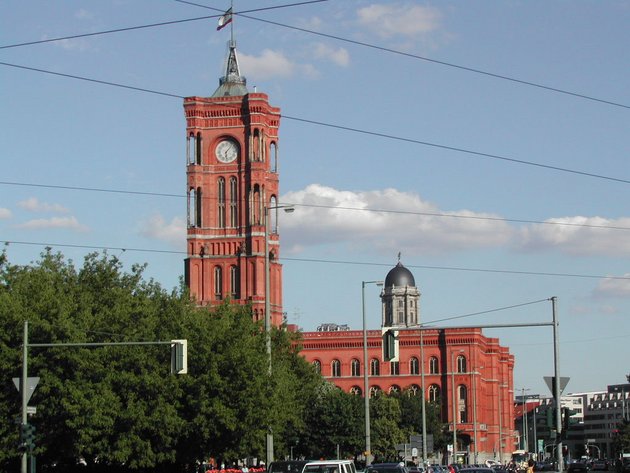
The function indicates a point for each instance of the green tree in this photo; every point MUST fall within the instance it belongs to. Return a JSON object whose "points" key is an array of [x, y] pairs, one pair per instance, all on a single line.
{"points": [[119, 406]]}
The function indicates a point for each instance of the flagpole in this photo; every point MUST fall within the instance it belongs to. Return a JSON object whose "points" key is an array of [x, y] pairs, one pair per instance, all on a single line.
{"points": [[232, 23]]}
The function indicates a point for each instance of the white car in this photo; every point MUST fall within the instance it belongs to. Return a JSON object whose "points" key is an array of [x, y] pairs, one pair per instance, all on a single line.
{"points": [[330, 466]]}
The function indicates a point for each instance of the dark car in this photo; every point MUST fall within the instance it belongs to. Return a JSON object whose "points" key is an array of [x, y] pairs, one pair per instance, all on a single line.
{"points": [[577, 467], [601, 465], [386, 468]]}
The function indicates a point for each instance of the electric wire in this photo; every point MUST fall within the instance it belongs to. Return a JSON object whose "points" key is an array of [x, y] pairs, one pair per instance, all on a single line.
{"points": [[330, 207], [346, 128], [243, 14], [323, 261]]}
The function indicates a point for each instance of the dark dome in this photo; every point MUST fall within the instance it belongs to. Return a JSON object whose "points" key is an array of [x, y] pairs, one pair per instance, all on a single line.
{"points": [[399, 276]]}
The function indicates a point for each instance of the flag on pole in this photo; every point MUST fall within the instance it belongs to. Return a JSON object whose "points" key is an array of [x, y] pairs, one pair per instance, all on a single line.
{"points": [[226, 19]]}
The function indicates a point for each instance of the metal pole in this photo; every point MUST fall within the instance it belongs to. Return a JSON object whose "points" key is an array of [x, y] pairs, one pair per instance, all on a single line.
{"points": [[556, 394], [535, 434], [268, 327], [424, 394], [23, 387], [500, 427], [474, 395], [525, 432], [454, 408], [366, 383]]}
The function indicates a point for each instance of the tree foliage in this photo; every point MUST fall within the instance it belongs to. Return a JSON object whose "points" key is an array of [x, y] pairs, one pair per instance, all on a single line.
{"points": [[118, 406]]}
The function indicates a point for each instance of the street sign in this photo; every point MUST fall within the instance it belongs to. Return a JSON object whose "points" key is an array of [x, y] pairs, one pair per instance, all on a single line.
{"points": [[415, 438], [31, 410], [31, 384], [550, 382]]}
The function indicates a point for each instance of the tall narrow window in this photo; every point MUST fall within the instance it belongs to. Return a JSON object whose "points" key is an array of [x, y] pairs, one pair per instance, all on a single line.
{"points": [[233, 203], [192, 207], [198, 149], [273, 215], [433, 365], [374, 367], [335, 367], [355, 367], [198, 208], [394, 368], [413, 365], [461, 364], [218, 283], [318, 366], [462, 404], [235, 283], [190, 149], [434, 393], [274, 157], [221, 202]]}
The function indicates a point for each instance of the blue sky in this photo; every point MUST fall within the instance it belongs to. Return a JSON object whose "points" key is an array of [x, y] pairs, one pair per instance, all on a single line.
{"points": [[497, 191]]}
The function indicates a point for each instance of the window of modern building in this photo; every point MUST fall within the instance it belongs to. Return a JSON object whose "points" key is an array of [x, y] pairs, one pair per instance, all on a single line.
{"points": [[414, 365], [355, 367], [335, 368], [374, 367], [434, 365]]}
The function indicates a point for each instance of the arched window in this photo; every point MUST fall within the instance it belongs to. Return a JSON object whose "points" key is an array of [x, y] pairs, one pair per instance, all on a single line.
{"points": [[356, 390], [274, 157], [235, 283], [413, 390], [461, 364], [318, 366], [192, 207], [414, 365], [221, 202], [394, 368], [273, 214], [434, 366], [190, 148], [355, 367], [374, 367], [335, 368], [218, 283], [434, 393], [233, 202], [462, 404], [374, 391], [394, 389]]}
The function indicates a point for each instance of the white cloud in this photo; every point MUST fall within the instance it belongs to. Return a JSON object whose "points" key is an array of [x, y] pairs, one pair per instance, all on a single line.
{"points": [[5, 213], [613, 287], [32, 204], [409, 20], [70, 223], [269, 64], [578, 236], [338, 56], [327, 220], [156, 228]]}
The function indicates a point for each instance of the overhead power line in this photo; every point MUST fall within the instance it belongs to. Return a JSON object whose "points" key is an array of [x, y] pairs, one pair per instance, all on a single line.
{"points": [[346, 128], [325, 261], [334, 207]]}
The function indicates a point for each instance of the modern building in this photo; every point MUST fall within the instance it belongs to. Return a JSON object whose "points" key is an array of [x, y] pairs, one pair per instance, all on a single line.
{"points": [[233, 187]]}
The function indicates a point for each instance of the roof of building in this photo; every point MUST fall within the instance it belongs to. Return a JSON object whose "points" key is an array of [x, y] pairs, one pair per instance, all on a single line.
{"points": [[232, 84], [399, 276]]}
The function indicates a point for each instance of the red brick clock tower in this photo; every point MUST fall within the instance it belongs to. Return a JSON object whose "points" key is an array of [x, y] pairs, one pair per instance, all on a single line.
{"points": [[232, 187]]}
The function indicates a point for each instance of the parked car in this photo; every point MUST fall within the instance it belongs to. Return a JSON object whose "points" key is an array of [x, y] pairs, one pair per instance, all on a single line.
{"points": [[387, 468], [476, 469], [600, 465], [330, 466], [577, 467], [289, 466]]}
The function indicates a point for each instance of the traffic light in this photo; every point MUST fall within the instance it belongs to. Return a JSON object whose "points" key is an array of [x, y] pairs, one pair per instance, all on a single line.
{"points": [[551, 417], [27, 436], [179, 356], [568, 419], [390, 345]]}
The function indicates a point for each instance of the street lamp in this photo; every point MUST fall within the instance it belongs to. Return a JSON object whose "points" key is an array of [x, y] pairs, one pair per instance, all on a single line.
{"points": [[454, 405], [500, 386], [288, 209], [474, 396], [366, 383]]}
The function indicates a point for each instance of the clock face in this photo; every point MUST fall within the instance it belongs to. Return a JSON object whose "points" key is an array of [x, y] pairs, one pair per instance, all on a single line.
{"points": [[226, 151]]}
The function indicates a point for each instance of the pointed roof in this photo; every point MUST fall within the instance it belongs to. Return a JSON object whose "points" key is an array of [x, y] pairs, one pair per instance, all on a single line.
{"points": [[232, 84]]}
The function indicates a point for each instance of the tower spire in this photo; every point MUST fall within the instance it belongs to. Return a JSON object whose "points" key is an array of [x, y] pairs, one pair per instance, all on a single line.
{"points": [[232, 83]]}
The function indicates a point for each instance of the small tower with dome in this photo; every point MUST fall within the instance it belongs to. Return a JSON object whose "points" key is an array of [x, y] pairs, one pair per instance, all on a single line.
{"points": [[400, 298]]}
